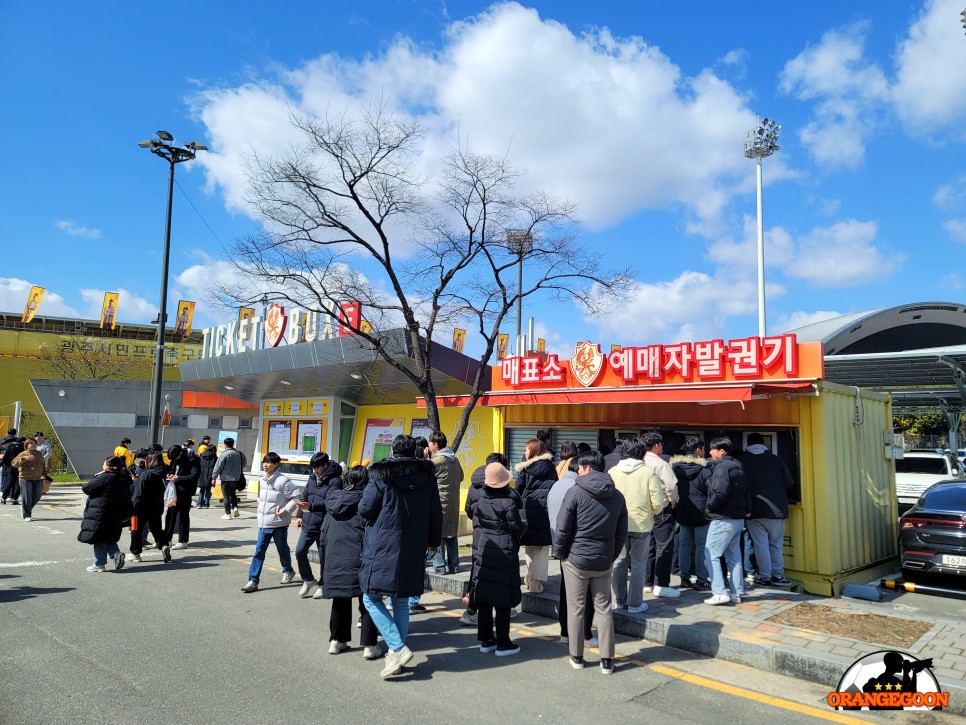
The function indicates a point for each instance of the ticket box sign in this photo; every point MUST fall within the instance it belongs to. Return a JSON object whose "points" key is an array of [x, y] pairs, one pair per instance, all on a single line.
{"points": [[750, 359], [272, 408], [317, 407], [294, 407]]}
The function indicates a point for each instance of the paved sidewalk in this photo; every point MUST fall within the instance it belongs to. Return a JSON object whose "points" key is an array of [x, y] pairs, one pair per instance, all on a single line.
{"points": [[741, 633]]}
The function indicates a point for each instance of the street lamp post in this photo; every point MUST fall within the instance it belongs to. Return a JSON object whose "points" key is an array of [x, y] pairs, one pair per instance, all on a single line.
{"points": [[520, 243], [162, 146], [760, 142]]}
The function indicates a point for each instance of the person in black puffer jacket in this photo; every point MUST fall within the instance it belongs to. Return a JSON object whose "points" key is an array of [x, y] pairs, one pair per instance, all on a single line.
{"points": [[184, 471], [147, 498], [590, 534], [497, 557], [729, 502], [693, 473], [108, 505], [402, 508], [472, 496], [535, 477], [325, 473], [343, 533], [206, 464]]}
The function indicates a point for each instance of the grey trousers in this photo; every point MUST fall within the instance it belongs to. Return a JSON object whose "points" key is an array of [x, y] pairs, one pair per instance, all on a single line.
{"points": [[578, 580]]}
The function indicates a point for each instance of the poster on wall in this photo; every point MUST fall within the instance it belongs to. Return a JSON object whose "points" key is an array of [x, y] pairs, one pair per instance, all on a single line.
{"points": [[279, 436], [379, 434], [310, 437], [420, 427], [318, 407], [222, 434]]}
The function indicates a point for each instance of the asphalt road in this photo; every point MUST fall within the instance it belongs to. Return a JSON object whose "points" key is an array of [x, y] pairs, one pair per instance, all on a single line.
{"points": [[179, 643]]}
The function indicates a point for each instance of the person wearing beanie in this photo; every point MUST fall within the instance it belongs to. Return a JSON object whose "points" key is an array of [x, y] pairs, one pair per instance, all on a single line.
{"points": [[502, 523]]}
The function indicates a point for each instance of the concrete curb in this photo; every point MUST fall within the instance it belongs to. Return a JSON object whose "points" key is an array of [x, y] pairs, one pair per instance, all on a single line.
{"points": [[709, 640]]}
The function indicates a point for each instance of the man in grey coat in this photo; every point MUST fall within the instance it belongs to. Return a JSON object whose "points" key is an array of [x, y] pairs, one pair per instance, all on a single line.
{"points": [[449, 476], [230, 467]]}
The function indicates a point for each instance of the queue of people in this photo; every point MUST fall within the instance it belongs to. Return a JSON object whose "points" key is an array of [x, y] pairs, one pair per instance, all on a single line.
{"points": [[378, 527]]}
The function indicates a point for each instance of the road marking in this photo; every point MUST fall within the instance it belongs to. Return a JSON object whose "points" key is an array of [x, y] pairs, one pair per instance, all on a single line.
{"points": [[698, 680], [19, 564]]}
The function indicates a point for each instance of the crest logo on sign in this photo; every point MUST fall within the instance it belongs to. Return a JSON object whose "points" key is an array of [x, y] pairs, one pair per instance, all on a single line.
{"points": [[587, 364], [275, 323]]}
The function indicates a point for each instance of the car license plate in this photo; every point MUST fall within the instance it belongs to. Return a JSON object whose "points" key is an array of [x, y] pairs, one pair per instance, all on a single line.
{"points": [[953, 560]]}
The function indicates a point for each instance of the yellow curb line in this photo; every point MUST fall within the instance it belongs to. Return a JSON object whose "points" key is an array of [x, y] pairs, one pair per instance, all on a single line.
{"points": [[707, 683]]}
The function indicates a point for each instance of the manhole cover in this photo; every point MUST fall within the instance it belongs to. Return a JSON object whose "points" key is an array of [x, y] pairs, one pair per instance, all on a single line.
{"points": [[877, 628]]}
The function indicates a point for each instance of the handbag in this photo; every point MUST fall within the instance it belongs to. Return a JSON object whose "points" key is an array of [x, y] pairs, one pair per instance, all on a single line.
{"points": [[170, 495], [45, 486], [240, 486]]}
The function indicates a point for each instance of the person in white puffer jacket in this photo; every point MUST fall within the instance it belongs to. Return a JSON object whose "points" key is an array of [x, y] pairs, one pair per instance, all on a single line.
{"points": [[277, 499]]}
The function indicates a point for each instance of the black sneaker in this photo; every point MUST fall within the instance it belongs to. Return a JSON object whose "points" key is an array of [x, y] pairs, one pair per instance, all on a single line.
{"points": [[577, 662], [166, 553], [606, 666], [700, 586], [506, 650], [119, 562], [417, 608], [763, 581], [685, 584], [488, 646], [780, 581]]}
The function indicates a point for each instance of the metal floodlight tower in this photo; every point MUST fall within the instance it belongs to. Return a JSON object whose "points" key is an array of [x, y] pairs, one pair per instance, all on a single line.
{"points": [[162, 146], [964, 18], [760, 142], [520, 243]]}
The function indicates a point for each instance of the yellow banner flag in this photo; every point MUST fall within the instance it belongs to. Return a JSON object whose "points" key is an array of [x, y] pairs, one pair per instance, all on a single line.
{"points": [[365, 327], [615, 348], [33, 302], [459, 337], [109, 310], [502, 343], [245, 313], [541, 345], [186, 315]]}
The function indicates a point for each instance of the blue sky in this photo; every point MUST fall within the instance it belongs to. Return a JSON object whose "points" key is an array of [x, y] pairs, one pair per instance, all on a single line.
{"points": [[635, 111]]}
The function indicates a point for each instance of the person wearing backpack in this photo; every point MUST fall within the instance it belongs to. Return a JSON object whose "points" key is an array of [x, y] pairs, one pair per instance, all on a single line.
{"points": [[206, 462], [230, 468]]}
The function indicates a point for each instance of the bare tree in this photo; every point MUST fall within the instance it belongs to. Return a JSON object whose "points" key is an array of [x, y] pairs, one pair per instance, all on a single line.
{"points": [[78, 357], [437, 252]]}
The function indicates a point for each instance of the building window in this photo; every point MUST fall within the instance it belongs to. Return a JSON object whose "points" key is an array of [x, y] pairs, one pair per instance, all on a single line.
{"points": [[142, 421], [214, 422], [245, 423], [179, 421]]}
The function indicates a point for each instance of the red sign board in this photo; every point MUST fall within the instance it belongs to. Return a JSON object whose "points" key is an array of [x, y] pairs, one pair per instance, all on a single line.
{"points": [[711, 361], [350, 314]]}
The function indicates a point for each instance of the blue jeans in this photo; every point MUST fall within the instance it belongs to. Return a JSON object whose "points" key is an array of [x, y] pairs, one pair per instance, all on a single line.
{"points": [[102, 551], [265, 536], [633, 558], [302, 549], [393, 628], [688, 537], [447, 558], [768, 536], [204, 496], [723, 539]]}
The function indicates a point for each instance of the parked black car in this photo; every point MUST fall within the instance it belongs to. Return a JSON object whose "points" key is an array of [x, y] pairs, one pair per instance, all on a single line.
{"points": [[932, 534]]}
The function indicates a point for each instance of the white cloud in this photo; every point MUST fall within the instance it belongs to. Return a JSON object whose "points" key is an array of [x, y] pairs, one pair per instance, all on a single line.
{"points": [[13, 298], [951, 196], [930, 89], [800, 318], [951, 281], [130, 307], [956, 229], [848, 91], [76, 230], [692, 306], [622, 130], [743, 254], [842, 255]]}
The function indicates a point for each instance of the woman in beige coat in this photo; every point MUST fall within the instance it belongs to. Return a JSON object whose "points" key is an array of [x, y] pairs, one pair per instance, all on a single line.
{"points": [[33, 471]]}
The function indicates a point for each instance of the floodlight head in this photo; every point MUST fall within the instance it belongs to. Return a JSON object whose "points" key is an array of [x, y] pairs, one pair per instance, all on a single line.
{"points": [[147, 143], [195, 146], [165, 136]]}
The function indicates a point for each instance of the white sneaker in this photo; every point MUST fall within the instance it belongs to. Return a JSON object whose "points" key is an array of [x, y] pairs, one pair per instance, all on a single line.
{"points": [[514, 612], [372, 653], [94, 569], [648, 590], [469, 619], [735, 599], [564, 640], [667, 592], [337, 647], [318, 594], [287, 577], [718, 599], [136, 557], [593, 642], [395, 661], [637, 610], [235, 512], [306, 590], [179, 545], [250, 587], [226, 517], [27, 518]]}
